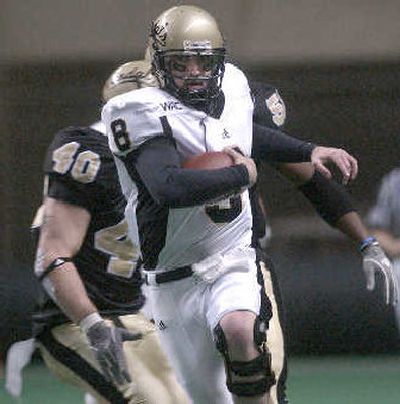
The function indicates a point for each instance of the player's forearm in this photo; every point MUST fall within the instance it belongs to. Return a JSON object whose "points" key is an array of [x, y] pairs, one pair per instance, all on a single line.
{"points": [[62, 283], [352, 226], [69, 293], [390, 244], [61, 236], [183, 188], [159, 168], [273, 145], [297, 173], [329, 199]]}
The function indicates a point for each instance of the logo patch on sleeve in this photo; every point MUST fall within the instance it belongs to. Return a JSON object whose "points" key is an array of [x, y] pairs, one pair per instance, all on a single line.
{"points": [[277, 108]]}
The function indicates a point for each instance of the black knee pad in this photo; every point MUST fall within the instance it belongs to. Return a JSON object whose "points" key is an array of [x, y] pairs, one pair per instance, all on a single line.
{"points": [[259, 366]]}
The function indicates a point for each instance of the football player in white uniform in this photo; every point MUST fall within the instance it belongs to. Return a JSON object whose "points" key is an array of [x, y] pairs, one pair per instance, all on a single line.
{"points": [[195, 225], [335, 208]]}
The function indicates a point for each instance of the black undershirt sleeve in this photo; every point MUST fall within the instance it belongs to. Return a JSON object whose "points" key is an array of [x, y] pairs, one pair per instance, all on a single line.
{"points": [[273, 145], [158, 166], [329, 198]]}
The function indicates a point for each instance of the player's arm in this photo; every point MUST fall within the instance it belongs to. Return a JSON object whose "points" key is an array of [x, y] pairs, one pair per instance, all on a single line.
{"points": [[329, 198], [64, 221], [61, 236], [66, 218], [275, 145], [333, 204], [158, 165], [270, 112], [62, 233]]}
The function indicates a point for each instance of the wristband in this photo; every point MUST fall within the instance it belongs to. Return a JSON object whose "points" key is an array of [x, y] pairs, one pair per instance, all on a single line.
{"points": [[368, 241], [89, 321]]}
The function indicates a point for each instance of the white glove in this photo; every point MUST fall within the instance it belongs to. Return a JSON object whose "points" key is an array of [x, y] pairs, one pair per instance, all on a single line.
{"points": [[375, 262], [18, 356]]}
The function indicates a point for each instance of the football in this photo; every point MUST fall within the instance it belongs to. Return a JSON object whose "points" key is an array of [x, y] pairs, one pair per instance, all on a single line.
{"points": [[208, 161]]}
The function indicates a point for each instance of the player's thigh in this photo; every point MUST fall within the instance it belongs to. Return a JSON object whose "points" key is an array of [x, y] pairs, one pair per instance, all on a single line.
{"points": [[178, 309], [67, 354], [148, 364], [254, 291], [236, 290]]}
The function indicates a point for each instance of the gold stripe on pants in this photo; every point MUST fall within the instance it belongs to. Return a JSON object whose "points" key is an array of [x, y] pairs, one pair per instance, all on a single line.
{"points": [[275, 341]]}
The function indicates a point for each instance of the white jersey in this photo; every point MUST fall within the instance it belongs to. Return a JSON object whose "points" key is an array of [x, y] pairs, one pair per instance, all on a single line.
{"points": [[193, 233]]}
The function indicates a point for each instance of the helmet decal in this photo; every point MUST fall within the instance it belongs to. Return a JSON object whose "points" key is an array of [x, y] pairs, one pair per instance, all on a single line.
{"points": [[158, 33], [193, 45]]}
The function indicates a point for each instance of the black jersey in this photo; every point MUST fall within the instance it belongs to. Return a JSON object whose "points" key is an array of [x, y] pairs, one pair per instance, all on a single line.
{"points": [[81, 171], [269, 108], [269, 111]]}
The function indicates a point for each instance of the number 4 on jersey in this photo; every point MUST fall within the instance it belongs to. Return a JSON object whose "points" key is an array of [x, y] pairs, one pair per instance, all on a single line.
{"points": [[114, 241]]}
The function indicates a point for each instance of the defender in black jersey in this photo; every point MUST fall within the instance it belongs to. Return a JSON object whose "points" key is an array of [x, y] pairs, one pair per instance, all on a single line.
{"points": [[89, 322], [80, 171]]}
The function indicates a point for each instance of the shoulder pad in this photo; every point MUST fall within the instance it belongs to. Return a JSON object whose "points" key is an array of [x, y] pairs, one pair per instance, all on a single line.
{"points": [[76, 152], [234, 80], [135, 117]]}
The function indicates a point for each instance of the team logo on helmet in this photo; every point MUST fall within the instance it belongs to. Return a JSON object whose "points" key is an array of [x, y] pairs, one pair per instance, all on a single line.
{"points": [[158, 33]]}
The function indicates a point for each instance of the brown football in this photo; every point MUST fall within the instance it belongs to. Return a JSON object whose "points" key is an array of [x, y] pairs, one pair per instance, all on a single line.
{"points": [[208, 161]]}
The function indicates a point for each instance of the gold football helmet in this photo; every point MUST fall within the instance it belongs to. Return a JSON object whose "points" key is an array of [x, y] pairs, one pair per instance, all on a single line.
{"points": [[127, 77], [188, 32]]}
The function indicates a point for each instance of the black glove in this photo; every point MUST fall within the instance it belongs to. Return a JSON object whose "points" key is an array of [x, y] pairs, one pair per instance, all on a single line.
{"points": [[375, 261], [107, 345]]}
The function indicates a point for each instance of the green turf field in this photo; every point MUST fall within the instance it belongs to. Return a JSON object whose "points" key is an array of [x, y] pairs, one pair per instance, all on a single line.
{"points": [[312, 380], [345, 380]]}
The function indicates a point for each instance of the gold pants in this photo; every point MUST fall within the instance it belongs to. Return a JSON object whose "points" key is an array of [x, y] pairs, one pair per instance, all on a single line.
{"points": [[66, 352], [275, 339]]}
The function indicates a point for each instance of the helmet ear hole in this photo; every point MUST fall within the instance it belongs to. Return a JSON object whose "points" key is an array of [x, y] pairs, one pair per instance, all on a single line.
{"points": [[184, 32]]}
